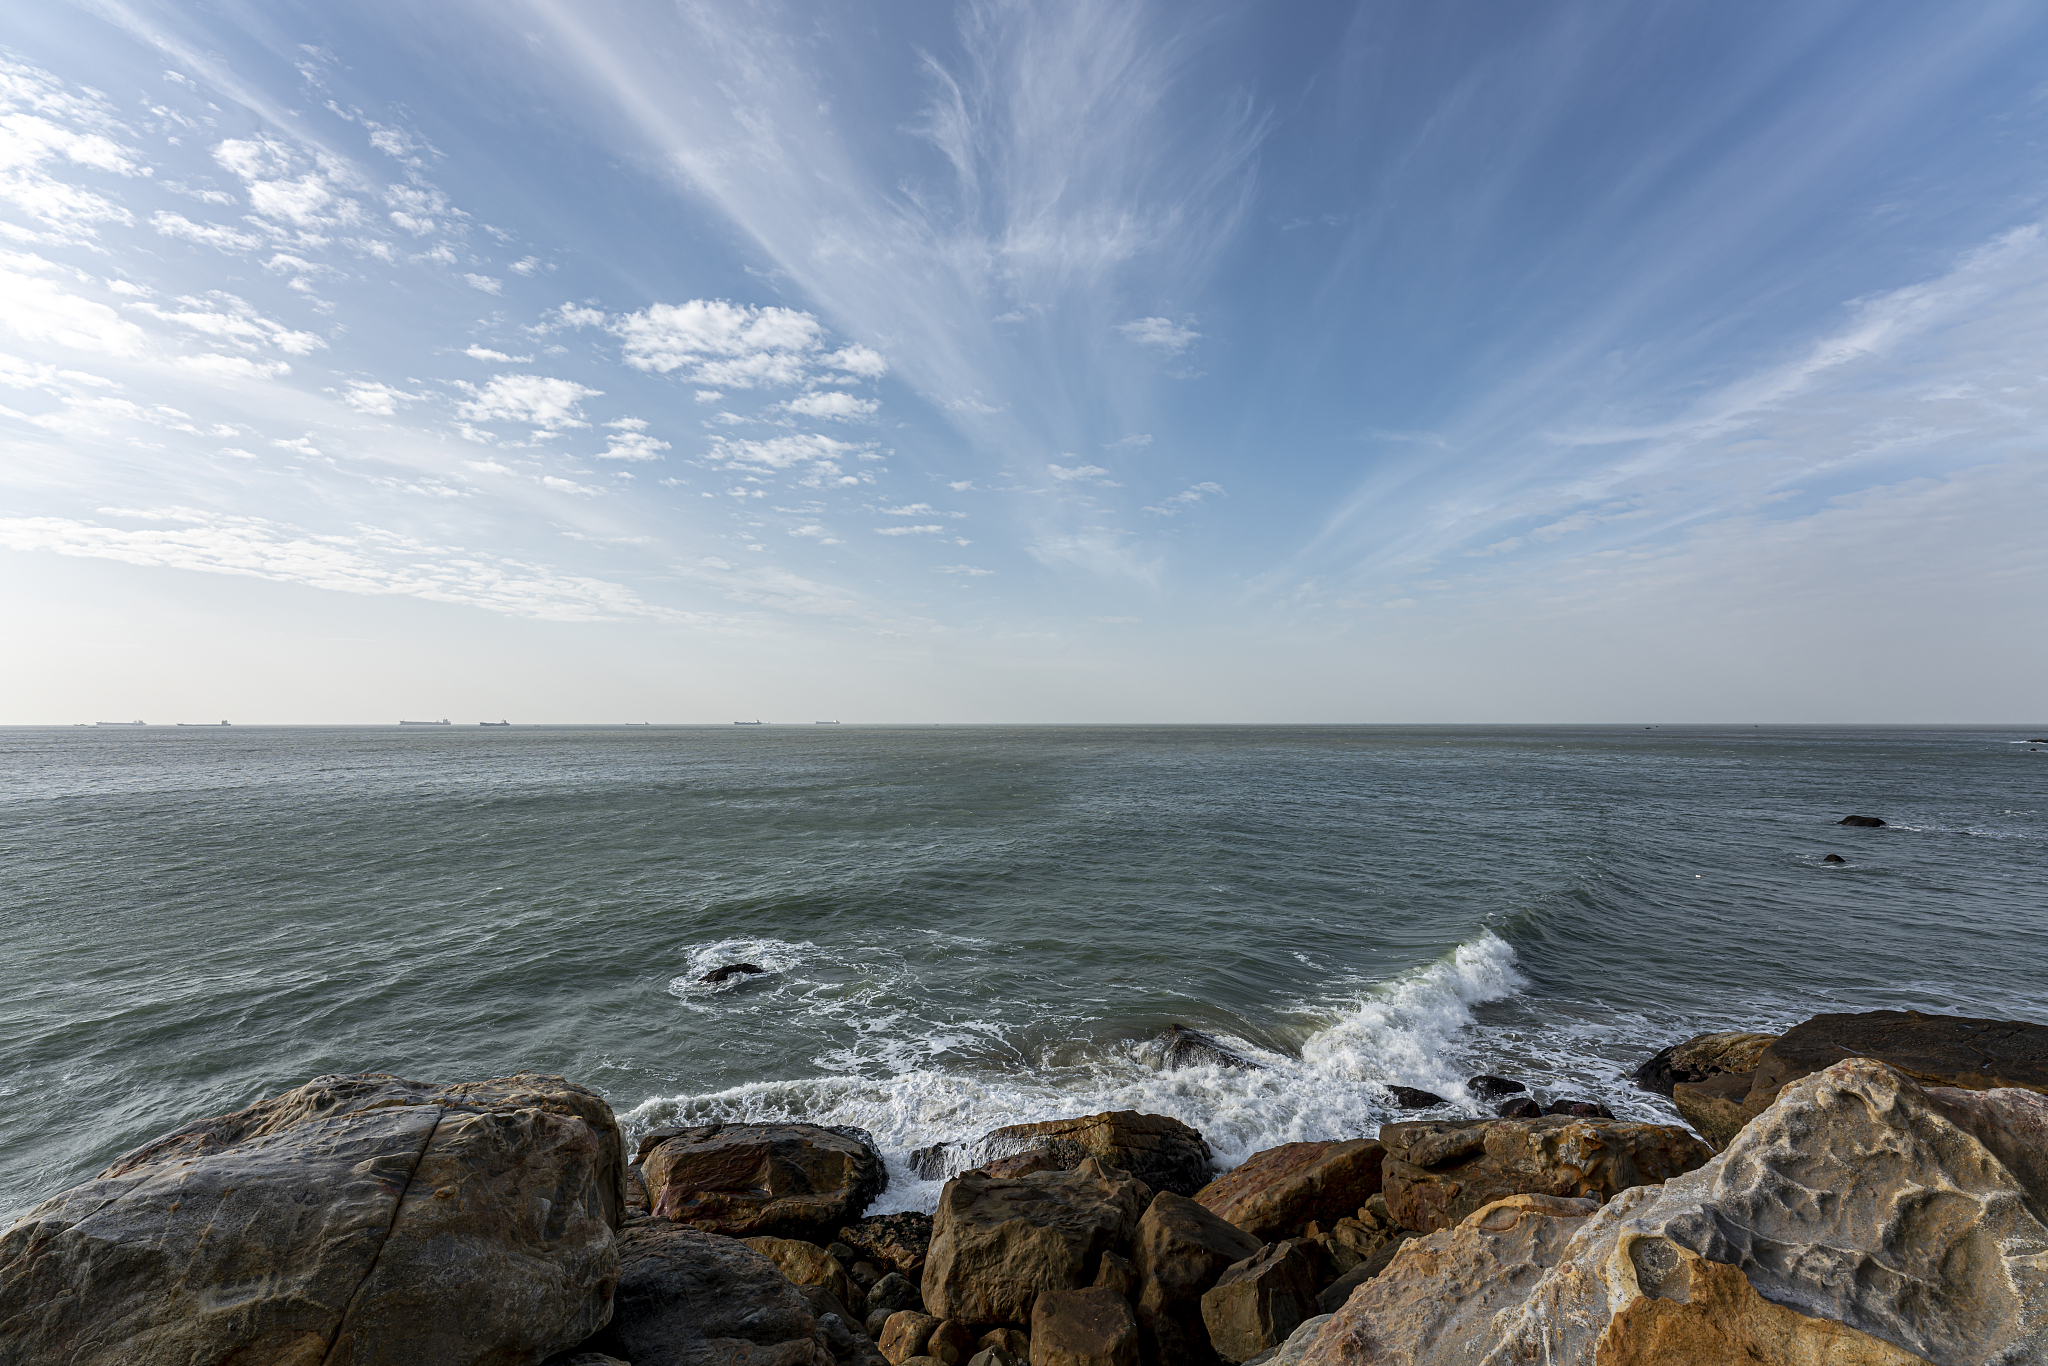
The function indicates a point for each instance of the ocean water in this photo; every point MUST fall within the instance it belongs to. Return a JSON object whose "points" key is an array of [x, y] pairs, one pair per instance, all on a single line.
{"points": [[974, 926]]}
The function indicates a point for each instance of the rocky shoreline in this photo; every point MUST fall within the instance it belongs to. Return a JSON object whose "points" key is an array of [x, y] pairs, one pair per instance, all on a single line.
{"points": [[1862, 1190]]}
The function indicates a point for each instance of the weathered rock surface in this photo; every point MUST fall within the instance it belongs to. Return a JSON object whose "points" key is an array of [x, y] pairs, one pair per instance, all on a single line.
{"points": [[1438, 1172], [950, 1342], [1257, 1302], [1177, 1046], [998, 1244], [905, 1335], [1182, 1248], [1276, 1191], [1438, 1297], [893, 1292], [1158, 1150], [1483, 1087], [1091, 1327], [1331, 1297], [1518, 1107], [895, 1242], [691, 1298], [1290, 1352], [1583, 1109], [1700, 1057], [774, 1180], [1413, 1098], [354, 1219], [808, 1264]]}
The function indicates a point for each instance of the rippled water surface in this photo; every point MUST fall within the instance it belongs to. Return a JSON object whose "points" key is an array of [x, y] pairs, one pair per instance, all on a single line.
{"points": [[973, 926]]}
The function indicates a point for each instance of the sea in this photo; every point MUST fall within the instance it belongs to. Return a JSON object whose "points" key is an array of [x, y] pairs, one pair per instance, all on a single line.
{"points": [[964, 927]]}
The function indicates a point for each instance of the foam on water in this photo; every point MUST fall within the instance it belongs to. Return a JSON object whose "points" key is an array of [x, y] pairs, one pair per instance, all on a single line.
{"points": [[1409, 1030]]}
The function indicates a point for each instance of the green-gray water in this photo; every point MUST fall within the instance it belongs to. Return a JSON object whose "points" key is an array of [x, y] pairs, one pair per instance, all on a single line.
{"points": [[972, 926]]}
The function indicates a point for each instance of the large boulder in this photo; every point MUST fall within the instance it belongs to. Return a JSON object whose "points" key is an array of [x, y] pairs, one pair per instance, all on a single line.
{"points": [[894, 1242], [1182, 1248], [1159, 1150], [1935, 1050], [808, 1264], [691, 1298], [354, 1219], [1700, 1057], [762, 1180], [1439, 1171], [1257, 1302], [1862, 1220], [1439, 1296], [1091, 1327], [1273, 1193], [998, 1244]]}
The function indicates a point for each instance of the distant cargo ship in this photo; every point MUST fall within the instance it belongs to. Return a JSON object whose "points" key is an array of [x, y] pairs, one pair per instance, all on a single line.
{"points": [[736, 723], [824, 723], [201, 724], [444, 721], [494, 723], [120, 723]]}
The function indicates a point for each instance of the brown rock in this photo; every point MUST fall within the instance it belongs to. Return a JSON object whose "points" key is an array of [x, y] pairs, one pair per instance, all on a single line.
{"points": [[1717, 1107], [1092, 1327], [998, 1356], [905, 1335], [1439, 1171], [1352, 1241], [1333, 1296], [1257, 1302], [1118, 1274], [1277, 1191], [1162, 1152], [1435, 1303], [895, 1242], [1701, 1057], [950, 1342], [353, 1219], [997, 1245], [808, 1264], [786, 1180], [690, 1298], [1181, 1250], [1015, 1341]]}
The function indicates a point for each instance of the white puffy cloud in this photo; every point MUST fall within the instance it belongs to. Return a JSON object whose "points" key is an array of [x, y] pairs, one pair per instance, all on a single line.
{"points": [[535, 399], [831, 403], [1089, 474], [781, 452], [570, 486], [858, 360], [368, 396], [973, 570], [525, 266], [233, 367], [933, 530], [42, 123], [205, 234], [816, 533], [231, 319], [1162, 333], [724, 345], [40, 310], [1168, 507], [632, 446], [485, 353], [485, 283]]}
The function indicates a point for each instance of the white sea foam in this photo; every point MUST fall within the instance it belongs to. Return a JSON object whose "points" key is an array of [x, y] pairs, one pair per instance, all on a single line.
{"points": [[905, 1084]]}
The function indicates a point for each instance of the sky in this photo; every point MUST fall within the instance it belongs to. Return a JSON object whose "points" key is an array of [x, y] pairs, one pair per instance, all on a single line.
{"points": [[1042, 362]]}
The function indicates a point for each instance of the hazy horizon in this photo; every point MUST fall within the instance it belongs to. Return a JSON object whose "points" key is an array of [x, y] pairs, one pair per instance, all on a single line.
{"points": [[1012, 363]]}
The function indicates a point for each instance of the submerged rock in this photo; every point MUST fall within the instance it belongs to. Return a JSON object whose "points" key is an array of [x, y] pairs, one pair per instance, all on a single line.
{"points": [[1518, 1107], [747, 1180], [1583, 1109], [1439, 1171], [350, 1220], [1413, 1098], [1178, 1046], [1867, 822], [1483, 1087], [732, 970], [1275, 1192], [1834, 858]]}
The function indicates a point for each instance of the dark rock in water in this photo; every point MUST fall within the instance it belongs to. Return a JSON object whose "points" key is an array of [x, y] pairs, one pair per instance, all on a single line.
{"points": [[1518, 1107], [731, 970], [896, 1242], [1493, 1088], [1178, 1047], [1868, 822], [1834, 858], [930, 1164], [1584, 1109], [1410, 1098], [1700, 1057]]}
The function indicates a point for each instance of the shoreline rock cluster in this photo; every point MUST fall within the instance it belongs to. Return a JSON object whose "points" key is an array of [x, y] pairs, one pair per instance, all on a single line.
{"points": [[1871, 1190]]}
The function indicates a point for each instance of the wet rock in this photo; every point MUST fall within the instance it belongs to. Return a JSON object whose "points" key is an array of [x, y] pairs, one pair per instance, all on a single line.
{"points": [[1859, 1219], [1717, 1108], [1015, 1341], [765, 1180], [1866, 822], [808, 1264], [1439, 1171], [865, 1274], [1483, 1087], [1050, 1157], [936, 1162], [893, 1292], [1277, 1191], [877, 1322], [691, 1298], [1435, 1302], [584, 1359], [1092, 1327], [1412, 1098], [998, 1356], [732, 970], [905, 1334], [1117, 1273], [1178, 1046], [842, 1254], [1584, 1109], [895, 1242], [950, 1342], [1257, 1302], [1181, 1250], [999, 1244], [1518, 1107], [1834, 858], [1158, 1150], [1700, 1057], [351, 1219]]}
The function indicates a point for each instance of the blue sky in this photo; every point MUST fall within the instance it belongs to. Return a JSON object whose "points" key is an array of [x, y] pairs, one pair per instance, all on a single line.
{"points": [[1058, 361]]}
